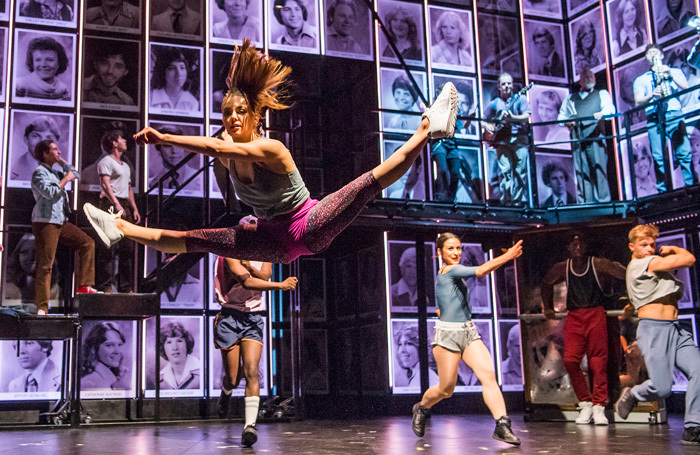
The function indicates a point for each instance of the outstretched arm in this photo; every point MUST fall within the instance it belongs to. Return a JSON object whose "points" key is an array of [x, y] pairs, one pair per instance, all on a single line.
{"points": [[261, 149], [512, 253]]}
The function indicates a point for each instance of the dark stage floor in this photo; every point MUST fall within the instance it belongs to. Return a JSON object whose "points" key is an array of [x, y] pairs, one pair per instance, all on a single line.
{"points": [[445, 435]]}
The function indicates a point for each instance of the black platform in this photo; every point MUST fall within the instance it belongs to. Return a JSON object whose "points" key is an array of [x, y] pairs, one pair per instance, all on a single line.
{"points": [[118, 306]]}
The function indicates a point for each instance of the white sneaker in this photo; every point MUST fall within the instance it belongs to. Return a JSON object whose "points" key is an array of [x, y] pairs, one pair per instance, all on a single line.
{"points": [[103, 223], [41, 313], [599, 415], [443, 113], [586, 414]]}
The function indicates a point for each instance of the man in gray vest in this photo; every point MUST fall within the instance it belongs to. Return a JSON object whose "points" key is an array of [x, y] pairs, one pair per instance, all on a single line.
{"points": [[590, 155]]}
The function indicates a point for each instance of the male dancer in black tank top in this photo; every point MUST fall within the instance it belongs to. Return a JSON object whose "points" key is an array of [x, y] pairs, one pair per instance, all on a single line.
{"points": [[585, 328]]}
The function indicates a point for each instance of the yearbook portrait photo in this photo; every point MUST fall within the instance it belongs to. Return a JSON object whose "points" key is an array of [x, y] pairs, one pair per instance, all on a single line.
{"points": [[349, 29], [187, 290], [627, 29], [31, 370], [412, 185], [232, 21], [108, 359], [451, 39], [556, 179], [587, 41], [111, 74], [120, 16], [399, 94], [404, 26], [59, 13], [403, 276], [162, 160], [293, 26], [176, 80], [182, 19], [546, 54]]}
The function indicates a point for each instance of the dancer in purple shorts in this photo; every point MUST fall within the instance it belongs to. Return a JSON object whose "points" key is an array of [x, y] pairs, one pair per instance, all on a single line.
{"points": [[264, 175]]}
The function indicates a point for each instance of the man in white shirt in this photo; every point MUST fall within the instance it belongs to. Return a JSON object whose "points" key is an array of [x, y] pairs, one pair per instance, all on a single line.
{"points": [[590, 155], [117, 195]]}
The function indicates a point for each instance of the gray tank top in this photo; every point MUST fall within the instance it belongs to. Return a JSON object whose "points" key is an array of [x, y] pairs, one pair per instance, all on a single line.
{"points": [[645, 287], [270, 194]]}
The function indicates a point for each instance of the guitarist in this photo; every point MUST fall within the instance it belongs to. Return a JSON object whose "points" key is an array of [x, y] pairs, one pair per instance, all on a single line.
{"points": [[507, 123]]}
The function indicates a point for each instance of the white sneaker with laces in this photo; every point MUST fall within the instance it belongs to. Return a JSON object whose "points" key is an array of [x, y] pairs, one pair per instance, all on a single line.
{"points": [[103, 223], [443, 113], [599, 415], [586, 414]]}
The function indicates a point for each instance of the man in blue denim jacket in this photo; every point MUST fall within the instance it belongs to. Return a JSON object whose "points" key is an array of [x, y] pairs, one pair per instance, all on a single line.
{"points": [[50, 224]]}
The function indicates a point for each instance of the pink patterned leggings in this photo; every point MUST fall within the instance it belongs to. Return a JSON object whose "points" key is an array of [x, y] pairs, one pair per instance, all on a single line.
{"points": [[309, 229]]}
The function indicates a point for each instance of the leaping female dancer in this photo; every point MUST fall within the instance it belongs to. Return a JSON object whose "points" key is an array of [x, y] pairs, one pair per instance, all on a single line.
{"points": [[264, 175]]}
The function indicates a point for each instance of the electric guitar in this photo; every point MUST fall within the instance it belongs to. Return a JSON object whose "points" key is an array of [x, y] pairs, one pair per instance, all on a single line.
{"points": [[497, 135]]}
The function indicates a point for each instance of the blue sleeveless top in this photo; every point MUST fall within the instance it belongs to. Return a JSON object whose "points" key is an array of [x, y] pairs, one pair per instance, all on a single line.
{"points": [[270, 194], [452, 294]]}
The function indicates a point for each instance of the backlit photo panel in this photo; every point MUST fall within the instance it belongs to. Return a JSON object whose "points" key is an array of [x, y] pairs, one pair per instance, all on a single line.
{"points": [[216, 369], [511, 356], [546, 53], [186, 291], [556, 183], [3, 57], [686, 301], [119, 16], [502, 6], [176, 70], [44, 68], [348, 29], [162, 158], [468, 102], [403, 276], [642, 166], [31, 370], [60, 13], [92, 152], [181, 19], [466, 378], [479, 287], [676, 56], [233, 21], [403, 22], [20, 268], [405, 359], [111, 79], [293, 26], [181, 356], [587, 41], [624, 93], [671, 17], [28, 128], [108, 359], [4, 13], [574, 6], [546, 102], [214, 189], [544, 8], [451, 39], [412, 184], [220, 64], [398, 93], [499, 45], [627, 29], [468, 188]]}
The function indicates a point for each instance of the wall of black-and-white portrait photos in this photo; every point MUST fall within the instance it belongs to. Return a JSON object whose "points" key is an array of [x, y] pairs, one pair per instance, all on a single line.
{"points": [[176, 80], [556, 185], [46, 74], [163, 158], [92, 151], [177, 18], [181, 357], [403, 276], [120, 16], [511, 355], [108, 359], [466, 379], [587, 42], [349, 29], [399, 94], [403, 21], [187, 290], [294, 26], [28, 128], [230, 22], [31, 370], [216, 369], [546, 102], [546, 53], [111, 78]]}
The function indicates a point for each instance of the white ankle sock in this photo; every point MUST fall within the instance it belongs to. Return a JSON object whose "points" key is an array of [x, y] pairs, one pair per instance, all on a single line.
{"points": [[251, 410], [225, 391]]}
